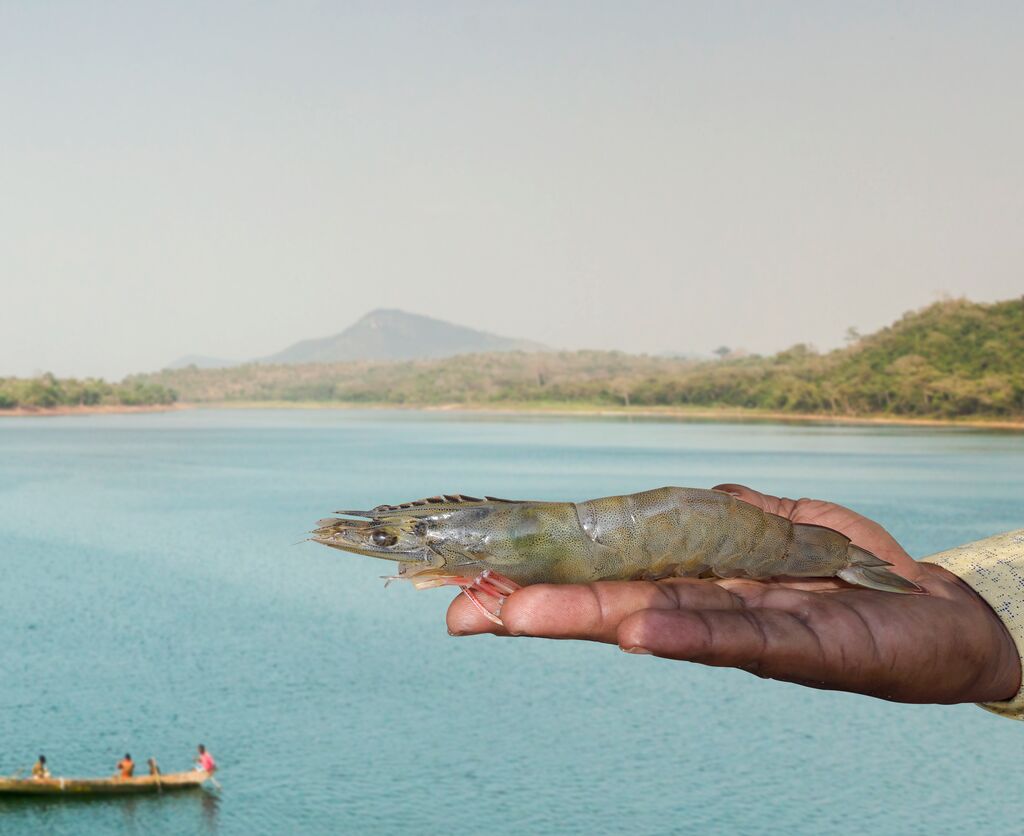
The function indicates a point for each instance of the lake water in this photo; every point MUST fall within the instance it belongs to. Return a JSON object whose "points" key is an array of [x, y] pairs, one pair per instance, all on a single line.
{"points": [[153, 597]]}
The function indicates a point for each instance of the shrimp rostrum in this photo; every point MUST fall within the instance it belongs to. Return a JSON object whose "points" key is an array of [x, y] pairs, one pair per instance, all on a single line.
{"points": [[495, 546]]}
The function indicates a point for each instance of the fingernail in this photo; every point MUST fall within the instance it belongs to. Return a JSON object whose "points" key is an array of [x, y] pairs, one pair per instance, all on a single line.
{"points": [[640, 651], [455, 633]]}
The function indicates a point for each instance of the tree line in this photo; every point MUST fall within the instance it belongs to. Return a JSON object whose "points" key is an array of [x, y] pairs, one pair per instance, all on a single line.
{"points": [[49, 392], [953, 359]]}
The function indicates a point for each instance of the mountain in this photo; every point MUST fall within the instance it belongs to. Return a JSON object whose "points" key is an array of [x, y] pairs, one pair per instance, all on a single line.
{"points": [[202, 361], [388, 334]]}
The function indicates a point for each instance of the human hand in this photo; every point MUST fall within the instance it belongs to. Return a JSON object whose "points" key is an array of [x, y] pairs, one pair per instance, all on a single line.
{"points": [[947, 646]]}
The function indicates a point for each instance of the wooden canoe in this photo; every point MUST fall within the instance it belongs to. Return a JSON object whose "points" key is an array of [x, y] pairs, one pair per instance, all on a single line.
{"points": [[103, 786]]}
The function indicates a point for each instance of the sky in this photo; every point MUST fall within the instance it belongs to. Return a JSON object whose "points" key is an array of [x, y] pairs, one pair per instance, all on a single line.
{"points": [[229, 178]]}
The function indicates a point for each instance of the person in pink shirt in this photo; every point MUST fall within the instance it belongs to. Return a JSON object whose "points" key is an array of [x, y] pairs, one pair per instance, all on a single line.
{"points": [[205, 761]]}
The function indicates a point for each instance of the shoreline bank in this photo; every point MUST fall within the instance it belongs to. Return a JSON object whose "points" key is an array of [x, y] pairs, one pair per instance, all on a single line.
{"points": [[673, 413], [101, 409], [583, 410]]}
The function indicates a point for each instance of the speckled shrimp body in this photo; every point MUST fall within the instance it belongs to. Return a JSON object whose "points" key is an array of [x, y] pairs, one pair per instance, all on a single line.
{"points": [[496, 545]]}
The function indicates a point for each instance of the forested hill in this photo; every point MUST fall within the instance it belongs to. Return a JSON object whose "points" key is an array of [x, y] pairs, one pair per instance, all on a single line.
{"points": [[954, 337], [952, 359]]}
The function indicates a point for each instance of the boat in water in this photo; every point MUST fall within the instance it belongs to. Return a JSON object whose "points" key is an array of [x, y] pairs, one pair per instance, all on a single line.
{"points": [[104, 786]]}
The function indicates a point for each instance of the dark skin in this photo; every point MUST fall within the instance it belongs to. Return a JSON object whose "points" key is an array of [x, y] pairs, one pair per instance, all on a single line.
{"points": [[946, 646]]}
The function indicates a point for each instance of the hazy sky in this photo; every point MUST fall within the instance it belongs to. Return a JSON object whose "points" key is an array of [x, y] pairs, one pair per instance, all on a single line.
{"points": [[229, 178]]}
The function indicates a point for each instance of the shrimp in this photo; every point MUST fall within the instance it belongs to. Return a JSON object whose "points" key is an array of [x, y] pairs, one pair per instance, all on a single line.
{"points": [[495, 546]]}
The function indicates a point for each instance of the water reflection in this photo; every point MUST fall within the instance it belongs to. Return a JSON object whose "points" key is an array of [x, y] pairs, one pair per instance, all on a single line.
{"points": [[128, 807], [211, 810], [137, 813]]}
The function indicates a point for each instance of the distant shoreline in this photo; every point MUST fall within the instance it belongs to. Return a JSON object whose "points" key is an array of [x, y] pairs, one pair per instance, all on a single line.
{"points": [[583, 410]]}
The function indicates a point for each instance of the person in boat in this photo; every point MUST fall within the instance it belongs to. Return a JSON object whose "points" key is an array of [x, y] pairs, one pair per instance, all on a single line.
{"points": [[205, 761], [154, 767], [39, 769], [126, 766]]}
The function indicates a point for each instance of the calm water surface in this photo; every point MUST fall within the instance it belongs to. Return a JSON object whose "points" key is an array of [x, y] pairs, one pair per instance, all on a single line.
{"points": [[153, 597]]}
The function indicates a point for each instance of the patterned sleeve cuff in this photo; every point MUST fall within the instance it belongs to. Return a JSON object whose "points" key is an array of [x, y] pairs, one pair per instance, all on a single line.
{"points": [[994, 568]]}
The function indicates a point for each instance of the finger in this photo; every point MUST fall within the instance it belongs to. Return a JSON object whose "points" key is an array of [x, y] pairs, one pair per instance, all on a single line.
{"points": [[768, 642], [588, 611], [595, 611], [808, 511], [785, 593], [464, 619], [766, 502]]}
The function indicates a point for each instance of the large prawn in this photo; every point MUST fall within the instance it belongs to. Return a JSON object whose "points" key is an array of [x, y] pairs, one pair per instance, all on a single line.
{"points": [[495, 546]]}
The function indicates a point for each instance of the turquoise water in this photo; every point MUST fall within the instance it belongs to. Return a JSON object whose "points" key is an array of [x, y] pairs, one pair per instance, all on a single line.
{"points": [[153, 597]]}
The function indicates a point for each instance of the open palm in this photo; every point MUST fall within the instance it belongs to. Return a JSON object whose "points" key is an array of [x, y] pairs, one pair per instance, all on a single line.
{"points": [[944, 646]]}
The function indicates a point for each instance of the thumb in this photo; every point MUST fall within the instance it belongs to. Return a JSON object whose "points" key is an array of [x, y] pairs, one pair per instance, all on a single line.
{"points": [[765, 501]]}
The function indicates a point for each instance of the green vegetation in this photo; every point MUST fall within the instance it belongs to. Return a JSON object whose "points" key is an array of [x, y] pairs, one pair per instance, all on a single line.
{"points": [[47, 392], [953, 359]]}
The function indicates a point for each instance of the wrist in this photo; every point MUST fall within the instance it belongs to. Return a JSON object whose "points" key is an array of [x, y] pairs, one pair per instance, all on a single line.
{"points": [[1000, 675]]}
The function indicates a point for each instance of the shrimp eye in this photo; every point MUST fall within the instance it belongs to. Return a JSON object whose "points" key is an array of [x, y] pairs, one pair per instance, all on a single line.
{"points": [[382, 538]]}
